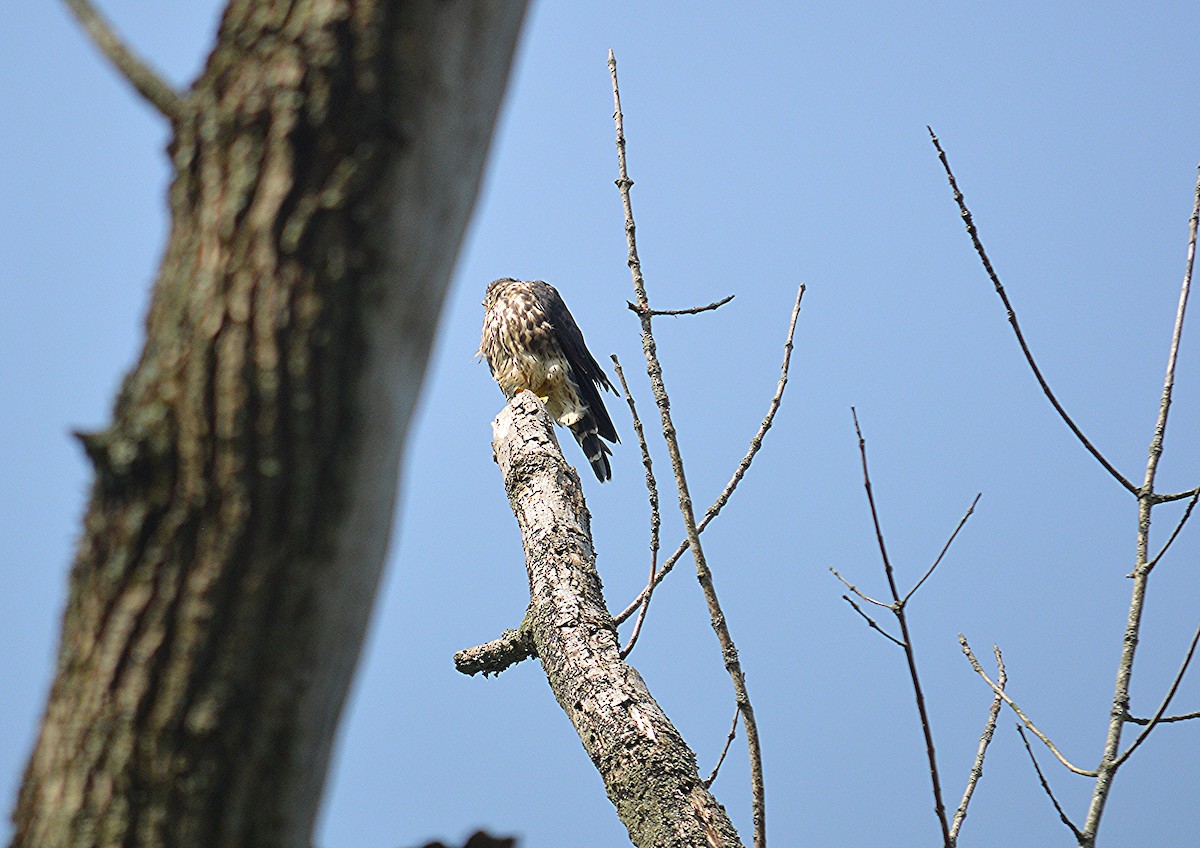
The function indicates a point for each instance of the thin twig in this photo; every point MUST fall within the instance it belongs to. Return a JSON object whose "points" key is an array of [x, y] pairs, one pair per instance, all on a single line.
{"points": [[708, 781], [1046, 786], [1012, 320], [1155, 498], [856, 590], [1157, 718], [1164, 720], [985, 739], [872, 623], [703, 574], [1110, 761], [739, 472], [695, 310], [1187, 513], [652, 494], [945, 548], [1160, 427], [145, 81], [1000, 693], [906, 639]]}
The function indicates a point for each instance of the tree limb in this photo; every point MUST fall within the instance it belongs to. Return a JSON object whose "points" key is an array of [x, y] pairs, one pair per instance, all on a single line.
{"points": [[717, 617], [145, 80], [1016, 326], [649, 771], [743, 466]]}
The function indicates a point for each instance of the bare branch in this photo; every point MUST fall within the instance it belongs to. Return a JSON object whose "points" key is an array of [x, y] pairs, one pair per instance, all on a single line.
{"points": [[145, 81], [495, 656], [910, 657], [1157, 718], [874, 625], [1046, 786], [703, 574], [1012, 320], [623, 729], [1156, 498], [887, 564], [743, 466], [856, 591], [695, 310], [708, 781], [1164, 720], [1110, 761], [1000, 693], [985, 739], [655, 517], [1187, 513], [945, 548], [1164, 407]]}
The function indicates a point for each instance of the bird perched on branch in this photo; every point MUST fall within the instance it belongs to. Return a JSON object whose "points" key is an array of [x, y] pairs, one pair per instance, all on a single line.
{"points": [[531, 342]]}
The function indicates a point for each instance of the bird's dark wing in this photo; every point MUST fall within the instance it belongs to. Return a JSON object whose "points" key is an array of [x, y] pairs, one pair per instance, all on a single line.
{"points": [[587, 372]]}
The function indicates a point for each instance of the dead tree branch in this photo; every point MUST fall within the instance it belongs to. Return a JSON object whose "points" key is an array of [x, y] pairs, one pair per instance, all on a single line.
{"points": [[649, 771], [1012, 320], [493, 657], [703, 573], [985, 739], [1164, 720], [695, 310], [756, 443], [1111, 760], [897, 606], [1118, 715], [708, 781], [1062, 814], [652, 495], [1028, 722], [1157, 718]]}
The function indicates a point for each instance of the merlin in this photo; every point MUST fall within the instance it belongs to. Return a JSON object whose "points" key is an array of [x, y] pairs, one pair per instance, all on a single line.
{"points": [[531, 342]]}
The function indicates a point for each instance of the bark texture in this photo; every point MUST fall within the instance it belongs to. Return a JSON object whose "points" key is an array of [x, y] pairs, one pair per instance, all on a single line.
{"points": [[648, 770], [326, 162]]}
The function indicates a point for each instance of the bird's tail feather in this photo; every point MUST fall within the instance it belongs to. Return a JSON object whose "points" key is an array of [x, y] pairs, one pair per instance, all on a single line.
{"points": [[586, 433]]}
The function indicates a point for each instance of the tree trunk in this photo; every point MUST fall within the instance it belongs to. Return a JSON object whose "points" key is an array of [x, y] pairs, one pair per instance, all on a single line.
{"points": [[649, 771], [326, 163]]}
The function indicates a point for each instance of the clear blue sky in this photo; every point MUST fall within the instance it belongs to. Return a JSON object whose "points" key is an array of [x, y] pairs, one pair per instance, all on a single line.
{"points": [[772, 144]]}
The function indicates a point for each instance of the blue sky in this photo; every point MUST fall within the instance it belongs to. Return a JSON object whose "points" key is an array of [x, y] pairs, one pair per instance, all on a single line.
{"points": [[771, 145]]}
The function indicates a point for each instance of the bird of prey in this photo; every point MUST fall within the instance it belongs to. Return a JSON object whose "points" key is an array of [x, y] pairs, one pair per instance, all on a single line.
{"points": [[531, 342]]}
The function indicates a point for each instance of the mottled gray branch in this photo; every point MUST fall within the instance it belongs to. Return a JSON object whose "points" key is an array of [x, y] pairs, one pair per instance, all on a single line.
{"points": [[704, 575], [495, 656], [985, 739], [1157, 718], [1111, 760], [648, 770]]}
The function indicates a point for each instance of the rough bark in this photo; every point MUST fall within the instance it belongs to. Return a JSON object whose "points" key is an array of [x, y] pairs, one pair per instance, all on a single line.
{"points": [[648, 770], [326, 162]]}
